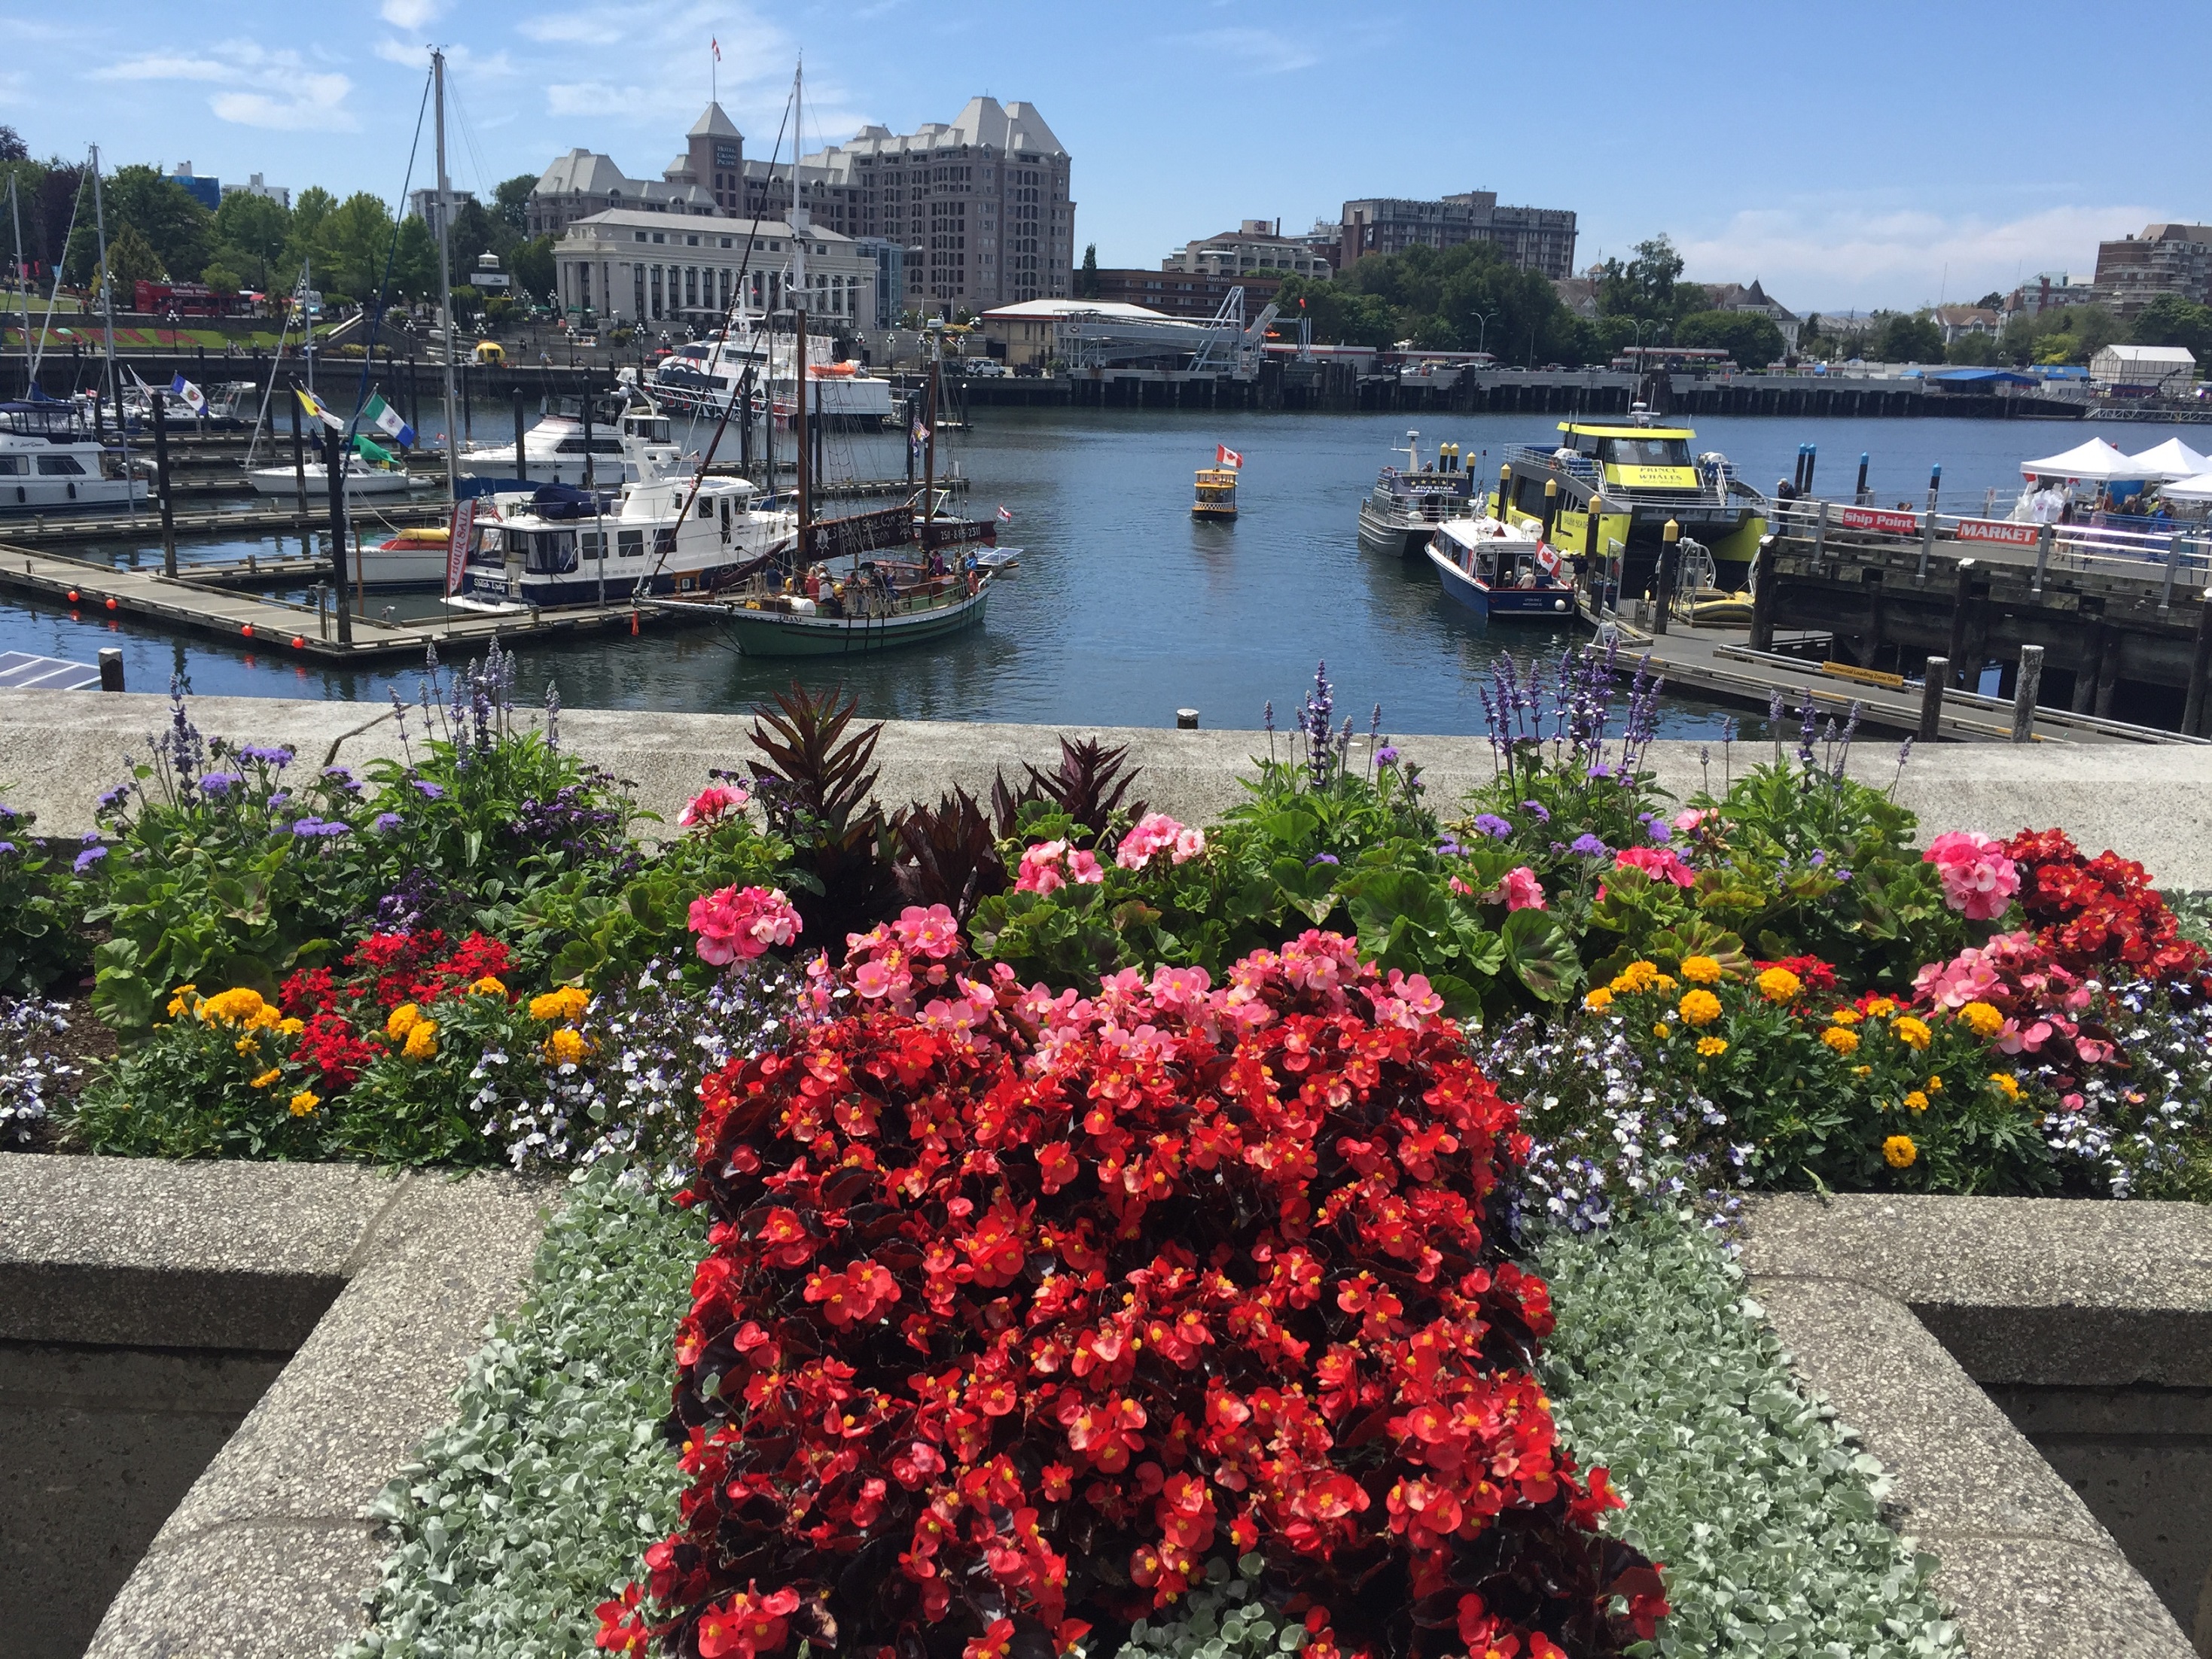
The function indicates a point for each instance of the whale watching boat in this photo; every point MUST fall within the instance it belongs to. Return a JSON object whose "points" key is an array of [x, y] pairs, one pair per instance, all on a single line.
{"points": [[1499, 571], [1608, 488], [1403, 510]]}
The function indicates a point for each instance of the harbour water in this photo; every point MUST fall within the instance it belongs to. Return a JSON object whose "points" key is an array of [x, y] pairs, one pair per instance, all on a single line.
{"points": [[1125, 609]]}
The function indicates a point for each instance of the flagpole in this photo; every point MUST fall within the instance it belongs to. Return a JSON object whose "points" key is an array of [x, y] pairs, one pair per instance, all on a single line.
{"points": [[107, 310]]}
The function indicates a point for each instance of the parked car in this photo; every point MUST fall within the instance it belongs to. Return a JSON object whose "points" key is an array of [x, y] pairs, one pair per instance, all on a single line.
{"points": [[983, 368]]}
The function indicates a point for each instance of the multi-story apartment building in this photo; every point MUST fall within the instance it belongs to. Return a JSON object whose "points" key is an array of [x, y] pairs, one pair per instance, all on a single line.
{"points": [[1541, 239], [1190, 294], [2169, 258], [1256, 245]]}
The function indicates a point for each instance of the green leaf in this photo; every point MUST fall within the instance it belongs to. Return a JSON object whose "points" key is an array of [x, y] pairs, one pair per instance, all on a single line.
{"points": [[1540, 954]]}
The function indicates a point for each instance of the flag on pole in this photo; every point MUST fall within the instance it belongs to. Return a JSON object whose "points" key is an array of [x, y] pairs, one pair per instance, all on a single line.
{"points": [[1224, 456], [717, 45], [388, 421], [1004, 517], [195, 399], [921, 433], [314, 406]]}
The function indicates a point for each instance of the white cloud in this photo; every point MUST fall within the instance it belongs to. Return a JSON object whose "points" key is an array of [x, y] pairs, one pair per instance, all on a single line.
{"points": [[1255, 51], [1871, 257], [600, 99], [460, 60], [261, 89], [408, 14]]}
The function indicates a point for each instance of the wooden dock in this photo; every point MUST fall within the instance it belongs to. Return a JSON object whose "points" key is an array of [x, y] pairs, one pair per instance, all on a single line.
{"points": [[45, 530], [256, 621]]}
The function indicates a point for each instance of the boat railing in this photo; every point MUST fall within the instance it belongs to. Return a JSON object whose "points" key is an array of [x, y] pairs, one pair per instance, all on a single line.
{"points": [[1576, 464]]}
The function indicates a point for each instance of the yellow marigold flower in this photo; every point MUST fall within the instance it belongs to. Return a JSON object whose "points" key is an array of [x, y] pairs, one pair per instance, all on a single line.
{"points": [[182, 999], [1861, 1071], [568, 1002], [304, 1102], [1599, 999], [1712, 1046], [421, 1040], [291, 1027], [1842, 1039], [2006, 1084], [402, 1020], [566, 1046], [1661, 1030], [1935, 1083], [1881, 1008], [1911, 1031], [489, 986], [1981, 1020], [245, 1045], [1899, 1151], [241, 1006], [1701, 970], [1700, 1008], [268, 1077], [1916, 1101], [1664, 982], [1779, 985], [1847, 1016]]}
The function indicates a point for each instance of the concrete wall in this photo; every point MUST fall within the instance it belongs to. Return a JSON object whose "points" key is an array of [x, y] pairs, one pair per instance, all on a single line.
{"points": [[59, 749]]}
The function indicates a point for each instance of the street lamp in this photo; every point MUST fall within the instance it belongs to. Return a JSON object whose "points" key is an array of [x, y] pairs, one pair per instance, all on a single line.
{"points": [[1482, 327]]}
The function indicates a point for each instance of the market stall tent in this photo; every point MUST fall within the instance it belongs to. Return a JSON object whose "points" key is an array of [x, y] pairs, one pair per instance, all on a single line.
{"points": [[2170, 460], [2095, 460], [2199, 488]]}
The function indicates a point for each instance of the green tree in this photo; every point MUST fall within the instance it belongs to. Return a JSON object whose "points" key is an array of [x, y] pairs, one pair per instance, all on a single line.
{"points": [[221, 279], [250, 233], [1976, 350], [1086, 279], [1992, 301], [1644, 287], [180, 229], [512, 201], [473, 232], [12, 146], [533, 269], [1908, 337], [356, 243], [131, 260], [415, 267], [1751, 339], [2170, 320], [309, 209]]}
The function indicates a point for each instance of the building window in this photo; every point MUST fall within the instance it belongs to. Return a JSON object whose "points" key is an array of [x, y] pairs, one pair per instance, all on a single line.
{"points": [[639, 234], [583, 286], [637, 292], [691, 286], [656, 294]]}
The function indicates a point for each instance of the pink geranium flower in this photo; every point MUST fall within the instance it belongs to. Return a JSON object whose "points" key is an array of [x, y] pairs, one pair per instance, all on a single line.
{"points": [[711, 804], [1156, 832], [1517, 890], [1979, 879], [1658, 862]]}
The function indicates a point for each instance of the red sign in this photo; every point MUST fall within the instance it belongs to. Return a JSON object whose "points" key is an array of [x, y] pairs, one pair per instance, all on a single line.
{"points": [[1868, 517], [1999, 530], [460, 532]]}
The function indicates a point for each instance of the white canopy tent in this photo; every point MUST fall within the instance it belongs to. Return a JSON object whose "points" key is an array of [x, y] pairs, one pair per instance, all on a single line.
{"points": [[2095, 461], [2199, 488], [2170, 460]]}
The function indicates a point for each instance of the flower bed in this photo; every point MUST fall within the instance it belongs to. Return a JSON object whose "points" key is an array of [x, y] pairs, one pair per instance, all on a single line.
{"points": [[1123, 1231]]}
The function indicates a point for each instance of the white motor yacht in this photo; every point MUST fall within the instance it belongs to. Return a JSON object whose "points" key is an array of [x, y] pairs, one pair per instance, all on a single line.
{"points": [[50, 462], [702, 378]]}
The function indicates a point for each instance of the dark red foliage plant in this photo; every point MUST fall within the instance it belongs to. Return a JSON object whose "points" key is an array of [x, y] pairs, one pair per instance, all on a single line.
{"points": [[1021, 1307]]}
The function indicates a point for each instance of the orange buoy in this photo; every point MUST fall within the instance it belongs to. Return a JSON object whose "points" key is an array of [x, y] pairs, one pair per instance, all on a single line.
{"points": [[299, 643], [632, 624], [249, 630], [73, 596], [110, 602]]}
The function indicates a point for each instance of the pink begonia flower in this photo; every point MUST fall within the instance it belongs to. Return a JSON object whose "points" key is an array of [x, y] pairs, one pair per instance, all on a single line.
{"points": [[1518, 889], [1659, 862], [732, 925], [1979, 879], [934, 932], [712, 804]]}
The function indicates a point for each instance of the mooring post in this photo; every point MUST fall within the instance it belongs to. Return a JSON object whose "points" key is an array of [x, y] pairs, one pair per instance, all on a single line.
{"points": [[2200, 662], [2030, 681], [299, 460], [2044, 539], [1762, 596], [2173, 546], [1669, 543], [1961, 600], [1927, 539], [110, 668], [334, 453], [522, 465], [161, 483], [1935, 677], [1819, 539], [1859, 495]]}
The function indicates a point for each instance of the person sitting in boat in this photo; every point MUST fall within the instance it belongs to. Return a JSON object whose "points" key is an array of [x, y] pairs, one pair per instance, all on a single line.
{"points": [[814, 581], [937, 565], [1528, 578]]}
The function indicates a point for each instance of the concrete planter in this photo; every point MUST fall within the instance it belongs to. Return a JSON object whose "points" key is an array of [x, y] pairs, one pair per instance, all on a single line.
{"points": [[145, 1308]]}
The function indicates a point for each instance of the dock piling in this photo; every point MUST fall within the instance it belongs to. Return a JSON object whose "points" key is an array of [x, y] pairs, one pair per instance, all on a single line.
{"points": [[1927, 540], [1934, 679], [1962, 599], [336, 469], [1762, 595], [2044, 539], [2200, 662], [1669, 548], [521, 467], [2025, 688], [161, 483], [298, 455], [2173, 549], [1820, 538], [110, 668]]}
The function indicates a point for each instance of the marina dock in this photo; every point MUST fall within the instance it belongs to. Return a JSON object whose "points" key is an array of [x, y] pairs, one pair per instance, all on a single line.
{"points": [[197, 606], [44, 529]]}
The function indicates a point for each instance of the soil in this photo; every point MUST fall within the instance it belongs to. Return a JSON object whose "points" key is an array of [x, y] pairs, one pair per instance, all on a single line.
{"points": [[87, 1042]]}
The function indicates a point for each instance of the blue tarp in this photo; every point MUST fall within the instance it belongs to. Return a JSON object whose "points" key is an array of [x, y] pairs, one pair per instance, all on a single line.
{"points": [[1984, 377]]}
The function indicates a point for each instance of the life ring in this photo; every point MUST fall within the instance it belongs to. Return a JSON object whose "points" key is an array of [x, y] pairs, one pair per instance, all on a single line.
{"points": [[974, 583]]}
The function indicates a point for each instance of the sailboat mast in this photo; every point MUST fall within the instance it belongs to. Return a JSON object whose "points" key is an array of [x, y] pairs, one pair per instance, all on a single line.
{"points": [[22, 282], [798, 424], [929, 449], [106, 291], [445, 286]]}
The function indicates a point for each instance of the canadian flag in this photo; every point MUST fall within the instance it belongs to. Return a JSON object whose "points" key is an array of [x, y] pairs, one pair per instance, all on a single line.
{"points": [[1224, 456], [1004, 517]]}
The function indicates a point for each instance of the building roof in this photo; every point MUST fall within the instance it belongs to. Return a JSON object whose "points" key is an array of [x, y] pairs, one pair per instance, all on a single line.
{"points": [[1053, 310], [1735, 296], [583, 172], [2175, 357], [634, 219], [984, 123], [714, 124]]}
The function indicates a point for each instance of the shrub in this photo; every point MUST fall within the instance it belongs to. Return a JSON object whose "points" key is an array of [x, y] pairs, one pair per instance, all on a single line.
{"points": [[915, 1414]]}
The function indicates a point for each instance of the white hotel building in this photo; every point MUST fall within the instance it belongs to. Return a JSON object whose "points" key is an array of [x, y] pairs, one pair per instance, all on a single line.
{"points": [[655, 270]]}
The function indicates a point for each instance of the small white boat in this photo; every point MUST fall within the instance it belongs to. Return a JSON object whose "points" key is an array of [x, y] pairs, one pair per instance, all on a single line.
{"points": [[50, 462], [702, 378], [414, 557], [363, 481], [999, 561], [553, 450]]}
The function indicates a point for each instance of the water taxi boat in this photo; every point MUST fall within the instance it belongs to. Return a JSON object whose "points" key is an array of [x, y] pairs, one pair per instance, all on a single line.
{"points": [[1403, 510], [1608, 488], [1500, 571], [51, 462], [1216, 493]]}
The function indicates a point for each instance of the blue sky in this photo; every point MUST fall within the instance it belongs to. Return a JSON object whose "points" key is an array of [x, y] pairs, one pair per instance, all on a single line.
{"points": [[1872, 154]]}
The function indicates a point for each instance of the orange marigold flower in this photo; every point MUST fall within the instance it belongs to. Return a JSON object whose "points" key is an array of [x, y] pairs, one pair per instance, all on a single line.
{"points": [[1981, 1020], [1700, 1008], [1842, 1039], [1899, 1151], [1779, 985], [1701, 970]]}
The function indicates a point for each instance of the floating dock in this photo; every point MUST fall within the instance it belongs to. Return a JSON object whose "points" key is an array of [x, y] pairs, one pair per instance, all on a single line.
{"points": [[259, 623], [49, 529]]}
